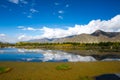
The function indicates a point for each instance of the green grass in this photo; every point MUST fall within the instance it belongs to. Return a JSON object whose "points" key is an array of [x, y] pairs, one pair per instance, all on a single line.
{"points": [[63, 67], [4, 69]]}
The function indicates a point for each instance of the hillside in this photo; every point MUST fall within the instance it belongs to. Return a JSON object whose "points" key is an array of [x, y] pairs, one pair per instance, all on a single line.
{"points": [[96, 37]]}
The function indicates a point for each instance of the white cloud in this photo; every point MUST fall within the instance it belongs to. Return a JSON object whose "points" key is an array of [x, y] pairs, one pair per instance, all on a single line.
{"points": [[30, 29], [34, 10], [61, 12], [105, 25], [53, 33], [18, 1], [60, 17], [6, 38], [2, 38], [24, 38], [27, 28], [14, 1], [2, 35]]}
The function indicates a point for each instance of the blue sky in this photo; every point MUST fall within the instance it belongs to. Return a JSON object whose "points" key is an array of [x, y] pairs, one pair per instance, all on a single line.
{"points": [[32, 18]]}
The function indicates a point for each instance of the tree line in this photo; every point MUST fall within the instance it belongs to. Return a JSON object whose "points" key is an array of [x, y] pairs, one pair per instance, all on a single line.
{"points": [[66, 45], [71, 45]]}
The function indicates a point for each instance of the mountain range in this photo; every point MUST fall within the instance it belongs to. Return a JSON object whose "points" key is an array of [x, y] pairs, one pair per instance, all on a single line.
{"points": [[95, 37]]}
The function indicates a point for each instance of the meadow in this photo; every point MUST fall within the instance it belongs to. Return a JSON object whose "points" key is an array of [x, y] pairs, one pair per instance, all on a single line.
{"points": [[58, 71]]}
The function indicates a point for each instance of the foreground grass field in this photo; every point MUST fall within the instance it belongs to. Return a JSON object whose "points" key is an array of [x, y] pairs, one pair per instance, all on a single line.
{"points": [[49, 71]]}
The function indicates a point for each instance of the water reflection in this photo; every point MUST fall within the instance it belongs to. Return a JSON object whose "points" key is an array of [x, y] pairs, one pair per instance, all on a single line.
{"points": [[38, 55], [14, 54]]}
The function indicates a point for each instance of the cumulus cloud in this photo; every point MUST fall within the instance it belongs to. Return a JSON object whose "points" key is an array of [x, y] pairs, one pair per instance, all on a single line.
{"points": [[53, 33], [112, 25], [24, 38]]}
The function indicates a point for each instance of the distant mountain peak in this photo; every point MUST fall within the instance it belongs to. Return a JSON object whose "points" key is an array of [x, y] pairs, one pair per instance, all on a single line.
{"points": [[98, 33], [108, 34]]}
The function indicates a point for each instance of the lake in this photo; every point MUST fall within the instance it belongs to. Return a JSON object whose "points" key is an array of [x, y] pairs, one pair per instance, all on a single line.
{"points": [[39, 55]]}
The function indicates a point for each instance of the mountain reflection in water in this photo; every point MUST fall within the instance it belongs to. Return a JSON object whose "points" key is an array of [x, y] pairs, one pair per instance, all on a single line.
{"points": [[38, 55]]}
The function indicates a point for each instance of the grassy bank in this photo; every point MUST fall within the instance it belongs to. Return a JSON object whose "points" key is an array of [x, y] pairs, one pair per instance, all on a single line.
{"points": [[65, 71]]}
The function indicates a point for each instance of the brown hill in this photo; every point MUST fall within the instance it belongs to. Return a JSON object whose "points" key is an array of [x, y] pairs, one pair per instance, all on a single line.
{"points": [[97, 36]]}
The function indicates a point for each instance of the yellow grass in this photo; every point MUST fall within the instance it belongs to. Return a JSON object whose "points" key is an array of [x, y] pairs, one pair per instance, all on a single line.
{"points": [[48, 71]]}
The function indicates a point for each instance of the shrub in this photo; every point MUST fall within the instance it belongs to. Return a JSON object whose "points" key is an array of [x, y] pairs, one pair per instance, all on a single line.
{"points": [[4, 69]]}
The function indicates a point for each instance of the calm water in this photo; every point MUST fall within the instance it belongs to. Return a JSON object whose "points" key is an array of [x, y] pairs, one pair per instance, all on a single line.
{"points": [[37, 55]]}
